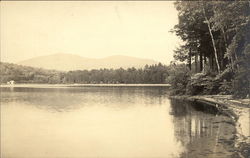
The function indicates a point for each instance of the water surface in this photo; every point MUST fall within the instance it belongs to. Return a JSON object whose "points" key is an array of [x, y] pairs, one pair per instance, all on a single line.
{"points": [[109, 122]]}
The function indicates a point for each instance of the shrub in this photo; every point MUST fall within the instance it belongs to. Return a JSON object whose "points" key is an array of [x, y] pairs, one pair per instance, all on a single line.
{"points": [[179, 77], [241, 81]]}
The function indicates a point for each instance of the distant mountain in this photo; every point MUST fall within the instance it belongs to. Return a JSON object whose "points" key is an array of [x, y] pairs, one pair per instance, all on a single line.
{"points": [[66, 62]]}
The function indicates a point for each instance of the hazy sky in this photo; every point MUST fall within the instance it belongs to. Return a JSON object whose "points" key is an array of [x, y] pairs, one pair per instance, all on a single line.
{"points": [[90, 29]]}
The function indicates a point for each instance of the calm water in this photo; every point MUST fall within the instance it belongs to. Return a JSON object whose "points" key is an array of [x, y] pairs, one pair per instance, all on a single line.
{"points": [[109, 122]]}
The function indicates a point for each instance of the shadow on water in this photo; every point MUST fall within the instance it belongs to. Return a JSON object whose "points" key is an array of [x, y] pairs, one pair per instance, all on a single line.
{"points": [[202, 130]]}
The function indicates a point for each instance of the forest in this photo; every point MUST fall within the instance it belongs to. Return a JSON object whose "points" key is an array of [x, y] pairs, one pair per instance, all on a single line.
{"points": [[216, 47], [24, 74]]}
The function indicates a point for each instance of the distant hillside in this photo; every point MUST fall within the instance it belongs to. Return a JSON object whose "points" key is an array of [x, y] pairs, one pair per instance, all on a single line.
{"points": [[68, 62], [26, 74]]}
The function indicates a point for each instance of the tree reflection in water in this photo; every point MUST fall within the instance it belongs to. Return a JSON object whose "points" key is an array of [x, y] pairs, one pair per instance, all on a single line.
{"points": [[202, 130]]}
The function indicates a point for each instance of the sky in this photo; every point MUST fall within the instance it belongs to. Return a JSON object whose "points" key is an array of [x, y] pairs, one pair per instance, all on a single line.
{"points": [[94, 29]]}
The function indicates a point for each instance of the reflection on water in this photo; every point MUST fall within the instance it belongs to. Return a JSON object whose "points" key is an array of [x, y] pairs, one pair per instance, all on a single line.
{"points": [[109, 122], [64, 99], [203, 134]]}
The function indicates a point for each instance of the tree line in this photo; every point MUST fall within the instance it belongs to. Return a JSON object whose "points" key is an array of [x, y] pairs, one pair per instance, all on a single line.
{"points": [[23, 74]]}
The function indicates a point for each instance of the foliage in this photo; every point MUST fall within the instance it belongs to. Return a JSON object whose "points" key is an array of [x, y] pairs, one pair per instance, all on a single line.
{"points": [[23, 74], [216, 34], [179, 77], [149, 74], [226, 87], [241, 81]]}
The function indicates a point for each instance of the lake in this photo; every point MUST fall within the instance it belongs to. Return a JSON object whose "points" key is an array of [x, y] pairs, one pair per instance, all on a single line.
{"points": [[109, 122]]}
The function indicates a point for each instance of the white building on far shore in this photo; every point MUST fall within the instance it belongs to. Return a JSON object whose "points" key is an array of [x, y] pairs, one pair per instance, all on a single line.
{"points": [[11, 82]]}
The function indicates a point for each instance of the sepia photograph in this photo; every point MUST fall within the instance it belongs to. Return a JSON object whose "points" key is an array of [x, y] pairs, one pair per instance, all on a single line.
{"points": [[125, 79]]}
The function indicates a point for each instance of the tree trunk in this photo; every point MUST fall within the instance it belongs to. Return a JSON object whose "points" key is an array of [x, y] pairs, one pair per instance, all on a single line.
{"points": [[204, 64], [213, 65], [201, 64], [212, 38], [230, 58], [236, 59], [210, 61], [190, 60], [196, 63]]}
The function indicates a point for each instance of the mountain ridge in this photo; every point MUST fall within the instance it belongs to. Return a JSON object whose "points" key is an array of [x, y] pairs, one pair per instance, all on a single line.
{"points": [[68, 62]]}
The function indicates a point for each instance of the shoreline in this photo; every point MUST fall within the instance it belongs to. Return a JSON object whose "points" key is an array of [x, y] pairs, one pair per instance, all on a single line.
{"points": [[85, 85], [224, 103], [237, 109]]}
